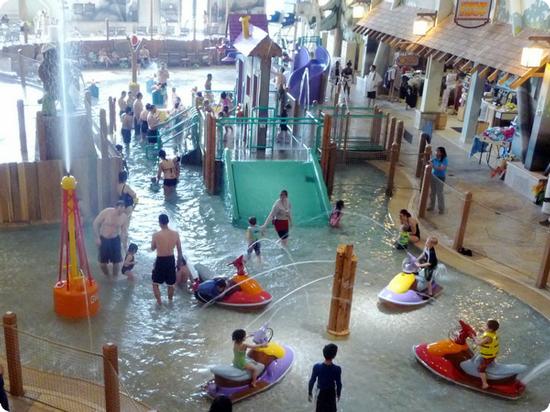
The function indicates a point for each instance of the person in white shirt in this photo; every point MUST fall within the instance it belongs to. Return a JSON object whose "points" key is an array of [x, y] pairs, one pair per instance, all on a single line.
{"points": [[372, 81], [281, 217]]}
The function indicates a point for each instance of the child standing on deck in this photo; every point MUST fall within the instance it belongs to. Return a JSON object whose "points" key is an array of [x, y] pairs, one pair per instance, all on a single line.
{"points": [[337, 213], [239, 354], [284, 135], [253, 234], [130, 261]]}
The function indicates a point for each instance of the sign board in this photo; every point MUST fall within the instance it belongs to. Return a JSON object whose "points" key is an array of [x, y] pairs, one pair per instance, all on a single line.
{"points": [[471, 14], [407, 60]]}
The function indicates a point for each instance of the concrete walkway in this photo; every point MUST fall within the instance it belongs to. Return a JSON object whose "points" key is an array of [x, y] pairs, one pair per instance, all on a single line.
{"points": [[503, 230]]}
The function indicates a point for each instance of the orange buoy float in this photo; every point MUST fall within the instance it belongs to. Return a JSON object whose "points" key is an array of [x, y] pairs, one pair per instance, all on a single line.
{"points": [[75, 294]]}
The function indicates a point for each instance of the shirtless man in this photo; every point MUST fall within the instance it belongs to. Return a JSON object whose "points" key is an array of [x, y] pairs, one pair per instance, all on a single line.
{"points": [[169, 171], [164, 241], [110, 227]]}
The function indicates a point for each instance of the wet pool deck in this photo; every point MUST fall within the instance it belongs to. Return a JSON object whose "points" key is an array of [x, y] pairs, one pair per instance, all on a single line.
{"points": [[509, 256]]}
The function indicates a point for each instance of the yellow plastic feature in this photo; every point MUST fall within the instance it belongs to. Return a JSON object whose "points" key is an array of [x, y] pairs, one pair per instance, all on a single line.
{"points": [[445, 347], [248, 285], [401, 282], [273, 349], [68, 183]]}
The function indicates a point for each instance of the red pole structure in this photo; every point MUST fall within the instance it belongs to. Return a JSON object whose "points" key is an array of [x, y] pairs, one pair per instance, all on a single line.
{"points": [[110, 377], [12, 354]]}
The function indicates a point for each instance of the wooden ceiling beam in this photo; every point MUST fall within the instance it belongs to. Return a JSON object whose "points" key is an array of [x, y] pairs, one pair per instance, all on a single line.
{"points": [[485, 72], [493, 76]]}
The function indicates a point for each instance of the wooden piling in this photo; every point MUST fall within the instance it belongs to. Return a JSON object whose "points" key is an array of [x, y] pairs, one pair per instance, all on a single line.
{"points": [[421, 148], [426, 159], [391, 136], [376, 126], [13, 356], [112, 115], [22, 73], [22, 129], [325, 145], [386, 129], [399, 131], [110, 377], [342, 291], [107, 29], [209, 171], [331, 168], [394, 152], [346, 136], [425, 191], [542, 278], [461, 230]]}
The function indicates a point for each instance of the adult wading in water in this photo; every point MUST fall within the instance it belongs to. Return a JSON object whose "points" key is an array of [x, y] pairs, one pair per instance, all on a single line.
{"points": [[169, 171], [280, 216], [110, 229]]}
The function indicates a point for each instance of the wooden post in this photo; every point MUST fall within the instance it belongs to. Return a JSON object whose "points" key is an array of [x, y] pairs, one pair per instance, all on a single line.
{"points": [[391, 136], [376, 126], [210, 156], [342, 291], [112, 115], [542, 278], [346, 135], [110, 377], [421, 149], [102, 169], [41, 136], [426, 159], [22, 129], [331, 168], [22, 74], [393, 163], [325, 143], [461, 230], [12, 354], [386, 129], [107, 29], [399, 130], [88, 105], [425, 191]]}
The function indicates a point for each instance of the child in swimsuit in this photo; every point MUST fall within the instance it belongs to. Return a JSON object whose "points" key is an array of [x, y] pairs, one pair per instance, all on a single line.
{"points": [[129, 261], [253, 234], [428, 261], [239, 354], [337, 214], [404, 237]]}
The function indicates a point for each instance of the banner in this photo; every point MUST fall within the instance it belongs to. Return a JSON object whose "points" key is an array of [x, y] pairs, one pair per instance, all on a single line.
{"points": [[471, 14]]}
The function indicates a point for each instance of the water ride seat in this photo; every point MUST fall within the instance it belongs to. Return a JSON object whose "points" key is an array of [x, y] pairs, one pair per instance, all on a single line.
{"points": [[228, 375], [495, 371]]}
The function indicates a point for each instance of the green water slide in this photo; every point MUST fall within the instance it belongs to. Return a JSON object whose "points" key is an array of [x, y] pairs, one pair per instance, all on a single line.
{"points": [[252, 186]]}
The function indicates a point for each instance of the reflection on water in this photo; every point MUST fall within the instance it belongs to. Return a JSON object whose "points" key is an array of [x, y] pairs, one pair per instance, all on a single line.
{"points": [[166, 352]]}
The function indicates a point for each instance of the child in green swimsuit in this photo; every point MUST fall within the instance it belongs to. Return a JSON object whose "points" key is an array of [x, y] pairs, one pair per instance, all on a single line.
{"points": [[239, 354]]}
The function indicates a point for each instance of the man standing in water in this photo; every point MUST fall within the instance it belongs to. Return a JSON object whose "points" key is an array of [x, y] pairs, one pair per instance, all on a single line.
{"points": [[110, 228], [164, 241]]}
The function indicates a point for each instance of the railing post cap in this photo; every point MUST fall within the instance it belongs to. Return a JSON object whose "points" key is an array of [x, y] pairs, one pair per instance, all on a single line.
{"points": [[468, 195], [10, 317]]}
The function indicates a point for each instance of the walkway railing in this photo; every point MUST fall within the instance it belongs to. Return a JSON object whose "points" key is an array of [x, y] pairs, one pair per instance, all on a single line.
{"points": [[62, 376]]}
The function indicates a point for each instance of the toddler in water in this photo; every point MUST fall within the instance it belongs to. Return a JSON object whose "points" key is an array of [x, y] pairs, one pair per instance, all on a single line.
{"points": [[336, 214], [404, 237], [239, 354], [253, 234], [129, 261]]}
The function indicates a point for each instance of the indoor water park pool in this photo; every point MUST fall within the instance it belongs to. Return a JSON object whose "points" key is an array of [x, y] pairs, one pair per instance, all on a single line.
{"points": [[166, 352]]}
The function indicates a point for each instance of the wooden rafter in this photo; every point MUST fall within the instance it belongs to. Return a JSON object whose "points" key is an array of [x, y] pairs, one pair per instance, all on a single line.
{"points": [[493, 76], [528, 74], [485, 72], [450, 59], [466, 66]]}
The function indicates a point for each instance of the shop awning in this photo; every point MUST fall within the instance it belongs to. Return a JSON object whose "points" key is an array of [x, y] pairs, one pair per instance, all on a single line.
{"points": [[491, 49]]}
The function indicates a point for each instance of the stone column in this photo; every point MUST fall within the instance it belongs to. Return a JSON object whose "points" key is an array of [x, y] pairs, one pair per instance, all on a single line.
{"points": [[432, 87], [338, 38], [381, 58], [538, 150], [473, 105]]}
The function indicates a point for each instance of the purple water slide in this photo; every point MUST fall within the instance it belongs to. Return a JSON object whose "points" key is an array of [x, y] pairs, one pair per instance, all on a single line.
{"points": [[315, 69]]}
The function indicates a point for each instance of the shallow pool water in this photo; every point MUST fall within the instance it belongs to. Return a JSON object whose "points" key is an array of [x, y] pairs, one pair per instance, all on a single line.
{"points": [[165, 353]]}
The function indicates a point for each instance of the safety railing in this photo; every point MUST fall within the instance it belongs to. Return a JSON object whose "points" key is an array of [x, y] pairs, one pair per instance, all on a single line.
{"points": [[61, 376]]}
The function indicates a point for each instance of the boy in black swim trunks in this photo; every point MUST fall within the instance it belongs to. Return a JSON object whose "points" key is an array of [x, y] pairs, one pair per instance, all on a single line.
{"points": [[163, 242]]}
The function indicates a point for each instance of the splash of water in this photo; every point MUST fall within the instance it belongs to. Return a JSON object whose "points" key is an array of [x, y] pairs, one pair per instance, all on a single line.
{"points": [[265, 272], [274, 304], [64, 95], [536, 371]]}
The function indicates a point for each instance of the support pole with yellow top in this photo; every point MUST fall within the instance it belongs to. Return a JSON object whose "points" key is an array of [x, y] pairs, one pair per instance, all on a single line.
{"points": [[75, 294], [342, 291], [245, 21]]}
